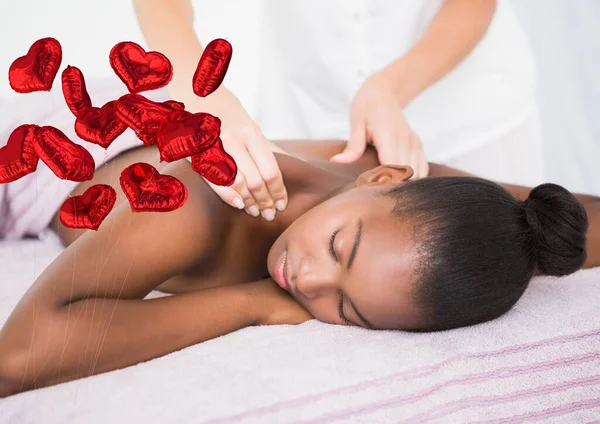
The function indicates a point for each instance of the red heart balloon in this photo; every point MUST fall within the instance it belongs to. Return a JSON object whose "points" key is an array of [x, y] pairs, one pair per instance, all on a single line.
{"points": [[187, 136], [89, 209], [69, 161], [140, 71], [212, 67], [216, 165], [100, 125], [74, 90], [37, 69], [143, 116], [18, 157], [176, 115], [149, 191], [174, 105]]}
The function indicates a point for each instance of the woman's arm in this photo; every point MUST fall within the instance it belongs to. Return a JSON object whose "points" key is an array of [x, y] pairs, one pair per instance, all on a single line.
{"points": [[453, 33], [85, 314], [99, 334]]}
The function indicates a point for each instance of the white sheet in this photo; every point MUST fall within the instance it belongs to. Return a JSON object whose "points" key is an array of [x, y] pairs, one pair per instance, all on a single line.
{"points": [[539, 362]]}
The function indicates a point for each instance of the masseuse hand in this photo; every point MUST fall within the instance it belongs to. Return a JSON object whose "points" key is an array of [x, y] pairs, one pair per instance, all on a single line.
{"points": [[258, 187], [376, 118]]}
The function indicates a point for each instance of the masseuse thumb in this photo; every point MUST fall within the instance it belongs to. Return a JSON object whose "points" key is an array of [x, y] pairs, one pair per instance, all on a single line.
{"points": [[355, 147]]}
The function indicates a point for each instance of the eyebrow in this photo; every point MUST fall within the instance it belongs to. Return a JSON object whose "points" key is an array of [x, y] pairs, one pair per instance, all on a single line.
{"points": [[357, 239]]}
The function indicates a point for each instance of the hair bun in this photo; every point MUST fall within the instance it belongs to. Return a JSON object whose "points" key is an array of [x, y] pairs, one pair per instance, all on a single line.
{"points": [[559, 223]]}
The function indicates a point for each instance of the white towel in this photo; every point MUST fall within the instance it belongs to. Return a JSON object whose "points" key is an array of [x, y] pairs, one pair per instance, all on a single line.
{"points": [[539, 362]]}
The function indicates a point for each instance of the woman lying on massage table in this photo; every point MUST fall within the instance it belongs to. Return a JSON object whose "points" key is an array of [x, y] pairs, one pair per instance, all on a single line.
{"points": [[359, 244]]}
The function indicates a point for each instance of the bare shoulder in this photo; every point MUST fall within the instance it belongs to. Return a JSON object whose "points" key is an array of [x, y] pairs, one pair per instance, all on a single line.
{"points": [[437, 170], [133, 253]]}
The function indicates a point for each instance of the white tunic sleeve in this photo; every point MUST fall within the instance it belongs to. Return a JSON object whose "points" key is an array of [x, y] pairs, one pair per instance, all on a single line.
{"points": [[316, 54], [298, 63]]}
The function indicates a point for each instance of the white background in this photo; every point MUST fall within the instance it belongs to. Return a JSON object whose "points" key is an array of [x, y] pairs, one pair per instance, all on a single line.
{"points": [[565, 36]]}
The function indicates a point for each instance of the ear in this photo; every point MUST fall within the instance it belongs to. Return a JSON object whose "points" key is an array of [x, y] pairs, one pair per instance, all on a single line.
{"points": [[385, 174]]}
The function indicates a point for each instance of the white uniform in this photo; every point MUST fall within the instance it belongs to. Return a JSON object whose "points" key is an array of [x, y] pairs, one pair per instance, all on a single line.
{"points": [[313, 55], [296, 67]]}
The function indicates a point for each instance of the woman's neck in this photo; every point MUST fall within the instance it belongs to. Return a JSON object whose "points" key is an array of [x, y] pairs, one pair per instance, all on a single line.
{"points": [[308, 183]]}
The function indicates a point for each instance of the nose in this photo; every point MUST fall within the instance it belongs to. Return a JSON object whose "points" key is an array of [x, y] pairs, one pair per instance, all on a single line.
{"points": [[314, 278]]}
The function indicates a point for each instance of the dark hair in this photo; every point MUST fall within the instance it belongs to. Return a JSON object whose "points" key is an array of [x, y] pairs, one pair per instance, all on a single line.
{"points": [[478, 246]]}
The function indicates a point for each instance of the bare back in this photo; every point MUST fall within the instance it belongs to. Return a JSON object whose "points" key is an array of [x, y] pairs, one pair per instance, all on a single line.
{"points": [[235, 244]]}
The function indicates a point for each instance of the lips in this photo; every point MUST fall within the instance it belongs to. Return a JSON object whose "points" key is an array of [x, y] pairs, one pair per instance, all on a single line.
{"points": [[280, 272]]}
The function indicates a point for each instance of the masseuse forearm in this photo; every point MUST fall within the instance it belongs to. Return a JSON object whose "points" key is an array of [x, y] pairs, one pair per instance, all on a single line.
{"points": [[98, 335], [167, 26], [453, 33]]}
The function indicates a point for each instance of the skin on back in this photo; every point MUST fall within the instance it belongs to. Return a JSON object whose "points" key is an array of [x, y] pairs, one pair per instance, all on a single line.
{"points": [[239, 243], [226, 231]]}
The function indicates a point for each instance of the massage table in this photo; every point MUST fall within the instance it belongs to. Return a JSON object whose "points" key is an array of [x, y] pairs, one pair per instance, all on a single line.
{"points": [[538, 363]]}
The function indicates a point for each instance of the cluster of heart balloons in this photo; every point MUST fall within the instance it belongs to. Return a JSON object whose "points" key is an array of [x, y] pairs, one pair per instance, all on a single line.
{"points": [[176, 132]]}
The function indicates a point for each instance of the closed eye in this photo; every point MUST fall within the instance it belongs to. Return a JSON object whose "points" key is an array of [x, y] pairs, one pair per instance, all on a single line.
{"points": [[341, 310], [331, 244]]}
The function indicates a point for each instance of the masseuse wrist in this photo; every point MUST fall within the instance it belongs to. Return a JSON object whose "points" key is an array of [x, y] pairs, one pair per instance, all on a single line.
{"points": [[402, 77], [181, 89]]}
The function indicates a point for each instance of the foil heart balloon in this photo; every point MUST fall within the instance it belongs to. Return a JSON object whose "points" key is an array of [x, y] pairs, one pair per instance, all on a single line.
{"points": [[140, 71], [212, 67], [89, 209], [174, 105], [74, 90], [37, 69], [187, 136], [176, 115], [69, 161], [144, 116], [216, 165], [100, 125], [18, 157], [149, 191]]}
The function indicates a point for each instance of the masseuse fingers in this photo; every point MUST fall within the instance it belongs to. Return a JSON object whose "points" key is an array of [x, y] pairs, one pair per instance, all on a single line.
{"points": [[419, 164], [388, 149], [246, 167], [408, 153], [414, 163], [250, 205], [256, 186], [227, 194], [269, 170], [236, 195], [419, 159], [357, 143], [424, 166]]}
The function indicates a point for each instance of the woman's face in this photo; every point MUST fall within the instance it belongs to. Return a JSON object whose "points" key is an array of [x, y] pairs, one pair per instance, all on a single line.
{"points": [[349, 260]]}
